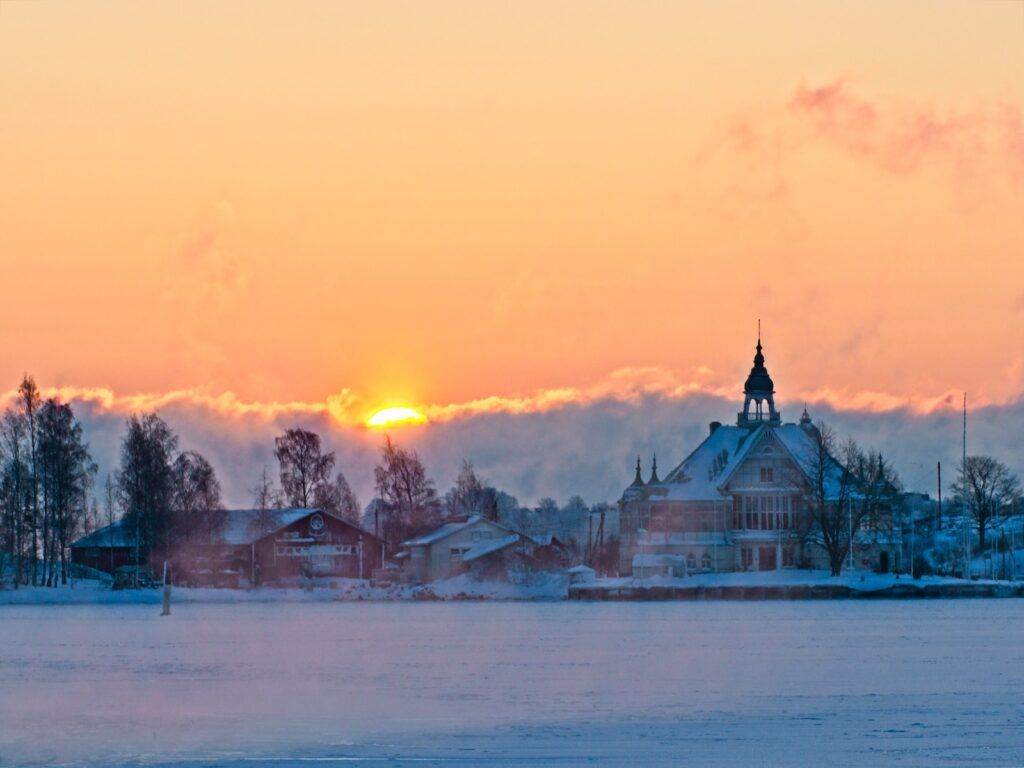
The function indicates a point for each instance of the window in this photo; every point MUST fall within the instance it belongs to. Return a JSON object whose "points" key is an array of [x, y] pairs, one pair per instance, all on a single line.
{"points": [[766, 474], [705, 562], [788, 560], [691, 562], [458, 552], [479, 535]]}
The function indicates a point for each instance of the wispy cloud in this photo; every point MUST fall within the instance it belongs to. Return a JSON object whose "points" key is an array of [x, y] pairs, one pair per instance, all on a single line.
{"points": [[975, 142], [900, 138]]}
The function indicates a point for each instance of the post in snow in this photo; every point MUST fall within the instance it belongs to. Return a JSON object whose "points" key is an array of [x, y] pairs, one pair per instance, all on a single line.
{"points": [[167, 593]]}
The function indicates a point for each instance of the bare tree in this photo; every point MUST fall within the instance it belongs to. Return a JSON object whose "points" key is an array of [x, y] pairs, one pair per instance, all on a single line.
{"points": [[878, 494], [990, 489], [337, 498], [827, 491], [66, 472], [265, 498], [304, 465], [29, 401], [465, 497], [145, 481], [15, 488], [410, 502], [196, 499]]}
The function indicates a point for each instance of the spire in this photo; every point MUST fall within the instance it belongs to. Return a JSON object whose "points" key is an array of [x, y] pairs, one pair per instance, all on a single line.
{"points": [[805, 417], [759, 381], [638, 480], [758, 392], [654, 471]]}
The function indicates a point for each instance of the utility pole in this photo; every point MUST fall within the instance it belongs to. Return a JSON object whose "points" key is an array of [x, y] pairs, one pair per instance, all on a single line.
{"points": [[849, 512], [963, 495], [938, 522], [590, 538]]}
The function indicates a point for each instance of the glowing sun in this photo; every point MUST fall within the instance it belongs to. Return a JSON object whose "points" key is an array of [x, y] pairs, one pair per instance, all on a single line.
{"points": [[390, 417]]}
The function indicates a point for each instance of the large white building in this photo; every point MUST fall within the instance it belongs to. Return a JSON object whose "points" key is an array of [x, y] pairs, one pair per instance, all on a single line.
{"points": [[736, 502]]}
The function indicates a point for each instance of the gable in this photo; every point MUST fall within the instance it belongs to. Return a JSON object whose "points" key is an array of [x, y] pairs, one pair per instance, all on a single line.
{"points": [[321, 525], [766, 464]]}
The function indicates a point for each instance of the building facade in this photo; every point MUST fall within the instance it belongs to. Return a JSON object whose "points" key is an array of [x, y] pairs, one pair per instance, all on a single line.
{"points": [[251, 547], [736, 503]]}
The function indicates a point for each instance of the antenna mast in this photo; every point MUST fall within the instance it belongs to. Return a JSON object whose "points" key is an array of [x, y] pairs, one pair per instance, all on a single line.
{"points": [[963, 498]]}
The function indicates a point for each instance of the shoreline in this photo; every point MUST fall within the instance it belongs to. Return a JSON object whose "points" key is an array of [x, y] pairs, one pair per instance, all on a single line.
{"points": [[461, 590], [753, 592]]}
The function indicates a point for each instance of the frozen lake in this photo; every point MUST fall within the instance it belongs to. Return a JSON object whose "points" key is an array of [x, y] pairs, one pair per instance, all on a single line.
{"points": [[917, 683]]}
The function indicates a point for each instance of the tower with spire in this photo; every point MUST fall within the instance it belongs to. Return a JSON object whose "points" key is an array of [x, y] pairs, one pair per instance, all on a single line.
{"points": [[758, 393]]}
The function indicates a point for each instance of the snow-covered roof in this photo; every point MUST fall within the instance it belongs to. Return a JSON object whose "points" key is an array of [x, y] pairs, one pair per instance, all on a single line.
{"points": [[241, 526], [448, 529], [702, 475], [117, 534], [585, 569], [546, 539], [489, 547], [244, 526]]}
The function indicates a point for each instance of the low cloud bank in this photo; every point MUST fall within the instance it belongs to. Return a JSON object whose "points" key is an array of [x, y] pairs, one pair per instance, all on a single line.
{"points": [[587, 447]]}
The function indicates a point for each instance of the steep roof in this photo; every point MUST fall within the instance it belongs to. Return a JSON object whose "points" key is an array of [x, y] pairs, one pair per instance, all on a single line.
{"points": [[696, 478], [702, 475]]}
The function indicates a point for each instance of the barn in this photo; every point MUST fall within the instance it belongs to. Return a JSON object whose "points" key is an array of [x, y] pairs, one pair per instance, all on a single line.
{"points": [[250, 547]]}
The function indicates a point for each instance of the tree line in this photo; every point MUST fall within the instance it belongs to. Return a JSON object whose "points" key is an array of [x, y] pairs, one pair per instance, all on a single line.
{"points": [[851, 492], [168, 498], [45, 480]]}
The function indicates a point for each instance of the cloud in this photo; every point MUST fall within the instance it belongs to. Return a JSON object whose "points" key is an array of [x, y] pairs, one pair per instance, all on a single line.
{"points": [[895, 136], [554, 442], [901, 138]]}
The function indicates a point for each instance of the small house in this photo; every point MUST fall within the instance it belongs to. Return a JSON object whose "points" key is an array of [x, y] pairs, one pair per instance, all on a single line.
{"points": [[452, 548]]}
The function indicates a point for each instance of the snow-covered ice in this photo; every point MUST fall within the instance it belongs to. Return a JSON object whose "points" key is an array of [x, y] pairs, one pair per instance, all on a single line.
{"points": [[916, 683]]}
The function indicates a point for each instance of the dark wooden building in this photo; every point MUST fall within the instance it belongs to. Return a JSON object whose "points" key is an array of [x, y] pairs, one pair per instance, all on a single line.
{"points": [[250, 547]]}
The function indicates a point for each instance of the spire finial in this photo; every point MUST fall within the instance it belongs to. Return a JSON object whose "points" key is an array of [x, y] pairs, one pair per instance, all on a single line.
{"points": [[654, 470], [638, 480]]}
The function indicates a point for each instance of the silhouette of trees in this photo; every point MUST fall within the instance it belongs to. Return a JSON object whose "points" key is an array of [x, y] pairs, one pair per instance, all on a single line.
{"points": [[990, 489], [410, 505], [304, 466]]}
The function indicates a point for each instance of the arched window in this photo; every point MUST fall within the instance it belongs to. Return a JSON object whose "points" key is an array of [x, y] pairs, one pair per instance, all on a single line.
{"points": [[691, 562], [705, 561]]}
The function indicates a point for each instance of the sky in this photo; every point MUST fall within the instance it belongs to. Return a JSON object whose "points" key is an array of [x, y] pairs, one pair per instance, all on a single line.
{"points": [[511, 217]]}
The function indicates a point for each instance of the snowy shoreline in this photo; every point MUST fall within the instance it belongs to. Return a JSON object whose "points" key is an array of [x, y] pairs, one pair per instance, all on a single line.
{"points": [[785, 585], [460, 588]]}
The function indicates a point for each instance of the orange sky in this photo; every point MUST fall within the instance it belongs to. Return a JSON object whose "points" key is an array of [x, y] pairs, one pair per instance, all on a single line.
{"points": [[438, 202]]}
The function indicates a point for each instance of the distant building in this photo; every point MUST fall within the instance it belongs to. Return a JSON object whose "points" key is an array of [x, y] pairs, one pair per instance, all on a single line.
{"points": [[735, 503], [450, 549], [479, 546], [252, 547]]}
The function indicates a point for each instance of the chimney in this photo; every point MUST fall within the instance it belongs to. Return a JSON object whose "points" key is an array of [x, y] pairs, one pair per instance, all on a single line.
{"points": [[714, 425]]}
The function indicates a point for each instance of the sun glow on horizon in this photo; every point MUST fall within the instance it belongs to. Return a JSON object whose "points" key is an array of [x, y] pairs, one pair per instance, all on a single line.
{"points": [[395, 416]]}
